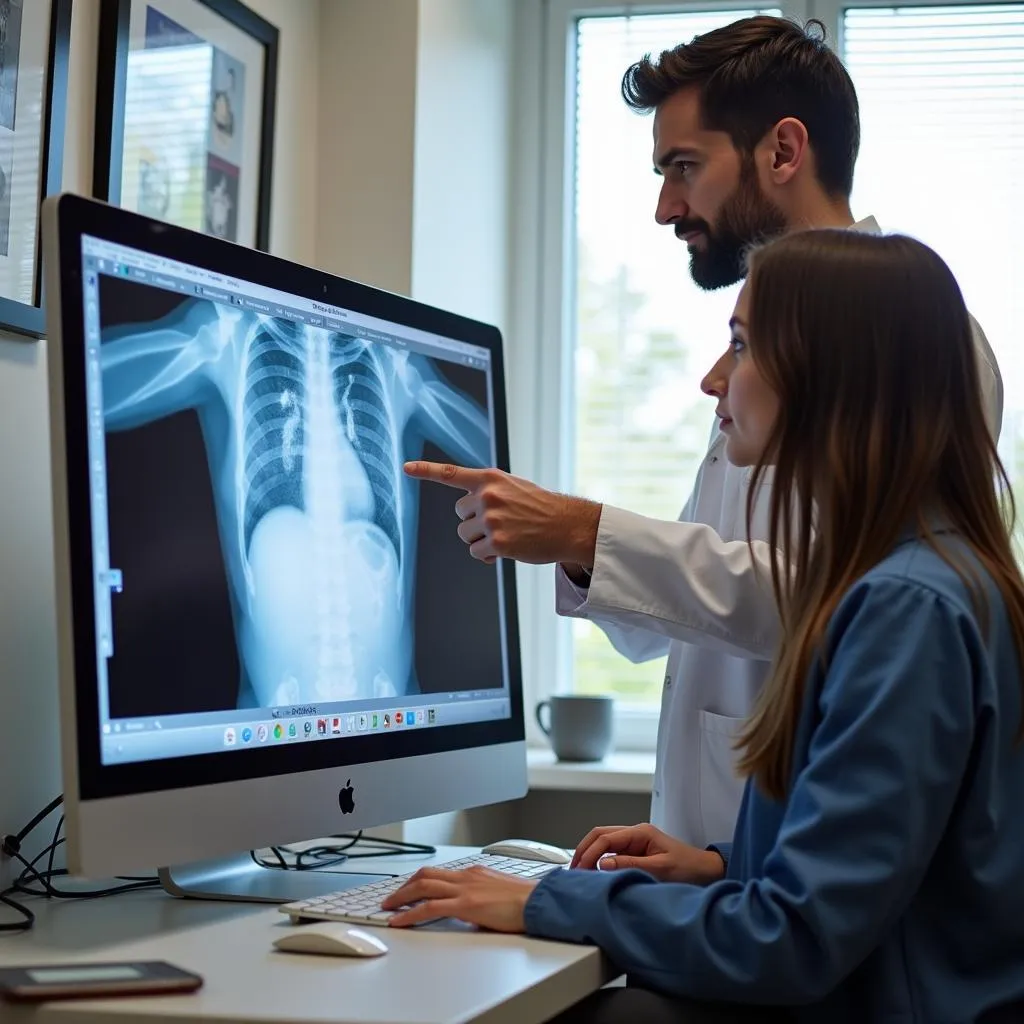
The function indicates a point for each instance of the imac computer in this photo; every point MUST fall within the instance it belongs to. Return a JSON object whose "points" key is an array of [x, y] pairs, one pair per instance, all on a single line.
{"points": [[267, 632]]}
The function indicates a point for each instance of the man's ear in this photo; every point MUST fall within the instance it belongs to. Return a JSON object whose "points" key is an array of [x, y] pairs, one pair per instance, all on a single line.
{"points": [[789, 149]]}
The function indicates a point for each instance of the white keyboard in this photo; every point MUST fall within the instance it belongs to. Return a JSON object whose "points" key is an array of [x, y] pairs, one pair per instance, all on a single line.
{"points": [[361, 904]]}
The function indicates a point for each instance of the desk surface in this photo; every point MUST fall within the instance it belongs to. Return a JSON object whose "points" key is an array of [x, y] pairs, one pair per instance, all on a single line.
{"points": [[439, 975]]}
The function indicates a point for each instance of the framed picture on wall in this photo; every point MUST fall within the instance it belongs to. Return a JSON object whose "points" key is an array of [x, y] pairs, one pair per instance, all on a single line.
{"points": [[34, 40], [185, 98]]}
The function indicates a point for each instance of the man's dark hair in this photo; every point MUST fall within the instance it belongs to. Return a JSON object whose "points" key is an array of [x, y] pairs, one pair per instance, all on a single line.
{"points": [[752, 74]]}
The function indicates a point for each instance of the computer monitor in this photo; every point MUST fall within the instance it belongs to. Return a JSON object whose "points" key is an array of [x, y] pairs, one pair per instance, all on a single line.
{"points": [[267, 632]]}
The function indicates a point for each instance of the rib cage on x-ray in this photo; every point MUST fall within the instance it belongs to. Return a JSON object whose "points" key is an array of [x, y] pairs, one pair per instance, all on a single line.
{"points": [[279, 357], [305, 431], [369, 425], [274, 433], [288, 370]]}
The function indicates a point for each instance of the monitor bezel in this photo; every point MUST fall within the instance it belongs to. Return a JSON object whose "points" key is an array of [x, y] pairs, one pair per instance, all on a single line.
{"points": [[75, 217]]}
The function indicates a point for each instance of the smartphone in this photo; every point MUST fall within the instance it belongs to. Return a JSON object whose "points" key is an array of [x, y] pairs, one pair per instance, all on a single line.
{"points": [[94, 981]]}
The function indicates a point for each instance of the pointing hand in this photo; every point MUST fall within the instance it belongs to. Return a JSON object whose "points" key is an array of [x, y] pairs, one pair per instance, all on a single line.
{"points": [[505, 516]]}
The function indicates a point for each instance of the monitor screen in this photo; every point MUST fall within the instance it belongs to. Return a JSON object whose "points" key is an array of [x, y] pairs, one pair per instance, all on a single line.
{"points": [[264, 573]]}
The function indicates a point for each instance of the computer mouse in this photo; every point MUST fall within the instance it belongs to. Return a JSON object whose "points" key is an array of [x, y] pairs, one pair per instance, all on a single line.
{"points": [[527, 849], [330, 938]]}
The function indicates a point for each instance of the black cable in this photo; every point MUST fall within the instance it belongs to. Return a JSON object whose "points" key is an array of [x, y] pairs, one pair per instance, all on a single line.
{"points": [[53, 847], [48, 890], [352, 839], [11, 846], [331, 854], [391, 847], [46, 851], [323, 857], [27, 915], [317, 859], [16, 926]]}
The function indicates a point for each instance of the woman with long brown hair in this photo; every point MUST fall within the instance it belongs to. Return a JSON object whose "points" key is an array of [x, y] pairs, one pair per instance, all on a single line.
{"points": [[877, 869]]}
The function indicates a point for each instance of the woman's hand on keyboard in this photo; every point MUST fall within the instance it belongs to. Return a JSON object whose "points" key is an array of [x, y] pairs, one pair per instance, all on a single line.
{"points": [[618, 847], [490, 899]]}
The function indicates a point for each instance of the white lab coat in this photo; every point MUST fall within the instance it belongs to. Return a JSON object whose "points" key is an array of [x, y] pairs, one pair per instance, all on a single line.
{"points": [[689, 589]]}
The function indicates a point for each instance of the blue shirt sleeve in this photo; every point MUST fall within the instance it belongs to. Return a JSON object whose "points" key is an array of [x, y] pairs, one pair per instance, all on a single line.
{"points": [[863, 819]]}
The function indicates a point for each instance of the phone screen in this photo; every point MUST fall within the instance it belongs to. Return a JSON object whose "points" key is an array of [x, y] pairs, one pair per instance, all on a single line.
{"points": [[84, 973]]}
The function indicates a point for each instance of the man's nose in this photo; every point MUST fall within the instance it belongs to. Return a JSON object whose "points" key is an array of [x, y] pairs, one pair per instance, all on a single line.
{"points": [[671, 206]]}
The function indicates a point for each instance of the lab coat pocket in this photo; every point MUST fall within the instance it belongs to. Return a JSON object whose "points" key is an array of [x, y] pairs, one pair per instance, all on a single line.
{"points": [[721, 789]]}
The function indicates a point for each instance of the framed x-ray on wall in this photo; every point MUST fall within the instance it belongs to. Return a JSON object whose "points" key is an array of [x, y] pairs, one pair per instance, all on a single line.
{"points": [[185, 114], [34, 41]]}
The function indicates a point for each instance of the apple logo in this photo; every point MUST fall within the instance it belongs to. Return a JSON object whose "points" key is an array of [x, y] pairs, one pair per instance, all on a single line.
{"points": [[345, 800]]}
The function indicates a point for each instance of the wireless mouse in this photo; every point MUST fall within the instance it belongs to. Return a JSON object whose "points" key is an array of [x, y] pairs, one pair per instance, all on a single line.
{"points": [[330, 938], [527, 849]]}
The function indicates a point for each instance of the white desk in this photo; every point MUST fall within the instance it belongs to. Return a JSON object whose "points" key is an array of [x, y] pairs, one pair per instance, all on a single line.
{"points": [[430, 976]]}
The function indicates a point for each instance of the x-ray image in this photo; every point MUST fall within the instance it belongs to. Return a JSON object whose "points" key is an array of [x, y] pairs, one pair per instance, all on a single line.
{"points": [[271, 549]]}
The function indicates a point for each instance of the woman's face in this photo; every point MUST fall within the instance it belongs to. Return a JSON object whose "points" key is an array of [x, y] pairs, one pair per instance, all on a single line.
{"points": [[747, 406]]}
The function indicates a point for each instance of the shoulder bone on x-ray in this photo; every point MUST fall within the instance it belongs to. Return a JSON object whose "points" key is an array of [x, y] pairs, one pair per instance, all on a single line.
{"points": [[306, 431]]}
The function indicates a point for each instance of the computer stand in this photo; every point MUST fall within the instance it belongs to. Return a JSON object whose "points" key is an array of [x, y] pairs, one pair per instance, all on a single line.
{"points": [[240, 878]]}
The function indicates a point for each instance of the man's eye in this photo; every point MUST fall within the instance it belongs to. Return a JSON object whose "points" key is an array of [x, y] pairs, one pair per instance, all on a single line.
{"points": [[684, 166]]}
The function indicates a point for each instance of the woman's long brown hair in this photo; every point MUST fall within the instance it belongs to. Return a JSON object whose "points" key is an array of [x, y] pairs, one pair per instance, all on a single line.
{"points": [[867, 343]]}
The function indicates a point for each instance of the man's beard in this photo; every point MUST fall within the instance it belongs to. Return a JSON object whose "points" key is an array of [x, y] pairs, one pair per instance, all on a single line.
{"points": [[747, 218]]}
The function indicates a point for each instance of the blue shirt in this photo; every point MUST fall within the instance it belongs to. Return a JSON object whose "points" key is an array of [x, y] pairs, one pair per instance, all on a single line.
{"points": [[889, 886]]}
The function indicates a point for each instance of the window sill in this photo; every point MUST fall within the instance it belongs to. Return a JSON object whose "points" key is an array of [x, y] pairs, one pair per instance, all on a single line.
{"points": [[619, 772]]}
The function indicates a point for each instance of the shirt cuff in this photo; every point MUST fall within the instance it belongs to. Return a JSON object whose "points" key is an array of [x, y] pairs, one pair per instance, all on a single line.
{"points": [[545, 913], [573, 905], [570, 599], [724, 850]]}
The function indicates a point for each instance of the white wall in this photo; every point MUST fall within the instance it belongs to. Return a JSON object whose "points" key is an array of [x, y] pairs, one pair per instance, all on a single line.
{"points": [[365, 140], [464, 102], [29, 771], [414, 148], [295, 213]]}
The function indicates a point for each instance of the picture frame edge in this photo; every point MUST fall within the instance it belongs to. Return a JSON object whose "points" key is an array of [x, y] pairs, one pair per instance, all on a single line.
{"points": [[27, 321], [111, 84]]}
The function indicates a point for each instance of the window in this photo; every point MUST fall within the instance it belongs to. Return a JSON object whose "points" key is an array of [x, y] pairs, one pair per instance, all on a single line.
{"points": [[942, 158], [642, 333], [941, 90]]}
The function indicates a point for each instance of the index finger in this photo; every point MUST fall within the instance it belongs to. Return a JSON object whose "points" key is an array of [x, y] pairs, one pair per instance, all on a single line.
{"points": [[426, 883], [627, 841], [417, 889], [445, 473], [590, 838]]}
